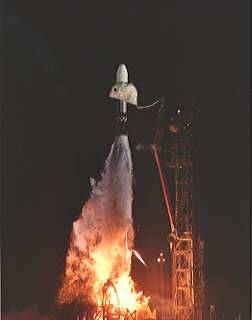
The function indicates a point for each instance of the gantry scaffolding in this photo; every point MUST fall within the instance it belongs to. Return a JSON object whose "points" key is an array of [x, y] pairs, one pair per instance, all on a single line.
{"points": [[178, 149], [109, 310]]}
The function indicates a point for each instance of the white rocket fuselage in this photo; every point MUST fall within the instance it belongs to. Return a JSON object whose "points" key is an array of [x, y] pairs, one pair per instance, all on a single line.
{"points": [[122, 79], [123, 92]]}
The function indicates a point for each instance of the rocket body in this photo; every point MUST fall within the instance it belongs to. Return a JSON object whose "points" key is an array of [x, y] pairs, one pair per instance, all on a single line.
{"points": [[123, 92], [122, 79]]}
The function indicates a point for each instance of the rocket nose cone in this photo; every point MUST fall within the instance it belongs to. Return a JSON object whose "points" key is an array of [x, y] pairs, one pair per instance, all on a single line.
{"points": [[122, 74]]}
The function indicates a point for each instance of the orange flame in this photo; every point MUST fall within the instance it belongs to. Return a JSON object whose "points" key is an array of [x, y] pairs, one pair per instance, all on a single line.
{"points": [[98, 263]]}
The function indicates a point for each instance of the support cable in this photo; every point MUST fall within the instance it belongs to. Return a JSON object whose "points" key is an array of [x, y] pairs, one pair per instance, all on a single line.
{"points": [[164, 189]]}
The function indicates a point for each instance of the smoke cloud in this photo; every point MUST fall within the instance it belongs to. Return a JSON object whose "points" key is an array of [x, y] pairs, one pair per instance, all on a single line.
{"points": [[102, 237]]}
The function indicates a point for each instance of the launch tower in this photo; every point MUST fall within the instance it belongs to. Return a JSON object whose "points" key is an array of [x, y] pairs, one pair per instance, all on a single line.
{"points": [[178, 149]]}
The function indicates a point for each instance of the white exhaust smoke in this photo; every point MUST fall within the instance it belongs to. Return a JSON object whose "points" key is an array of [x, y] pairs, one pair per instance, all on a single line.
{"points": [[102, 238]]}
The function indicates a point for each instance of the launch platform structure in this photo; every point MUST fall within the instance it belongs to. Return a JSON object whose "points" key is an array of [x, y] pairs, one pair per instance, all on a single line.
{"points": [[109, 311], [177, 147]]}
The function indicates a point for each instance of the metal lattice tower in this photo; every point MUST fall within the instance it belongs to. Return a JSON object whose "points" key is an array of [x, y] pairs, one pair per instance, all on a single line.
{"points": [[187, 251]]}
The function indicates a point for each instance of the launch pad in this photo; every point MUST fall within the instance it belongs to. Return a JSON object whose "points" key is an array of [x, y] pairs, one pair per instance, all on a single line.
{"points": [[179, 157], [109, 310]]}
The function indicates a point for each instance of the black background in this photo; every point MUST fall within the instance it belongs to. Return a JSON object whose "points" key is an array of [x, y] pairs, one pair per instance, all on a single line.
{"points": [[60, 60]]}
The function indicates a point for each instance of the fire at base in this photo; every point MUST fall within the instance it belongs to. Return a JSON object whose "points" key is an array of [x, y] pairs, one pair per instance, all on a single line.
{"points": [[98, 263]]}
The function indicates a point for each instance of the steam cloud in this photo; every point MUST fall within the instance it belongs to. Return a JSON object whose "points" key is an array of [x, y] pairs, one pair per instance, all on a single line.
{"points": [[102, 237]]}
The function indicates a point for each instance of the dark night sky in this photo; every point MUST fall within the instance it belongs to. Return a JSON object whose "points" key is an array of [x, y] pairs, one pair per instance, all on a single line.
{"points": [[60, 61]]}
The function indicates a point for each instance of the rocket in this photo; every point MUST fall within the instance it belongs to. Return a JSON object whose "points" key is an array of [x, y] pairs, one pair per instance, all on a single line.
{"points": [[125, 93]]}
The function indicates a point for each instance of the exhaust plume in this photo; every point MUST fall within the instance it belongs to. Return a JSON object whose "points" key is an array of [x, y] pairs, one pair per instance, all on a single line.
{"points": [[102, 237]]}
